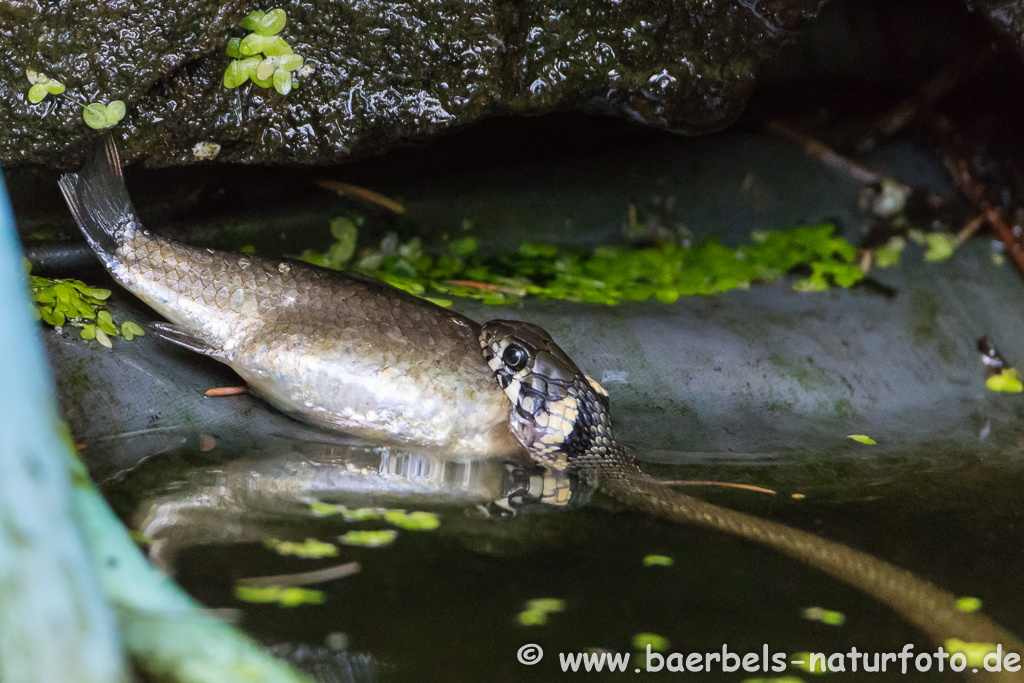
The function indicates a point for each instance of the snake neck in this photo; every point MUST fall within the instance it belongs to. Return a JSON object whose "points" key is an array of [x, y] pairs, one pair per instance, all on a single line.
{"points": [[920, 602]]}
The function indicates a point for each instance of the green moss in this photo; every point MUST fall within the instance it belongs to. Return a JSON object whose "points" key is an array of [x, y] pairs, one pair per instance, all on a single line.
{"points": [[607, 275]]}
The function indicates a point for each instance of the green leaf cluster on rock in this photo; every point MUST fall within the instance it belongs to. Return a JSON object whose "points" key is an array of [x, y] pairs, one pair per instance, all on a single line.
{"points": [[606, 275], [262, 55], [96, 115]]}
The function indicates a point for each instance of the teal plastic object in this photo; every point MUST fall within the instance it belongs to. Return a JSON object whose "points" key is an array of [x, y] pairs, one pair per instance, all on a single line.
{"points": [[55, 622]]}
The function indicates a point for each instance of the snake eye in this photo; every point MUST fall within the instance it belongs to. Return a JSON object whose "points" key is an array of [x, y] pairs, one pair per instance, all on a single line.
{"points": [[514, 357]]}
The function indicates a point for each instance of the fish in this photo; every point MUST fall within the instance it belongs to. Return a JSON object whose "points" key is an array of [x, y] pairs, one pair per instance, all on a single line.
{"points": [[335, 349]]}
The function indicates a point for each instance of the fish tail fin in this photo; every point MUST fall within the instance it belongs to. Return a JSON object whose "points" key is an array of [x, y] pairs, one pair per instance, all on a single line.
{"points": [[99, 200]]}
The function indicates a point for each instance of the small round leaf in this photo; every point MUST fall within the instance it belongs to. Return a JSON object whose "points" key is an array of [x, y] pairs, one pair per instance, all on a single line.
{"points": [[276, 47], [266, 68], [115, 112], [95, 115], [271, 23], [282, 82], [37, 93], [233, 50], [54, 87], [253, 44], [289, 62], [252, 21]]}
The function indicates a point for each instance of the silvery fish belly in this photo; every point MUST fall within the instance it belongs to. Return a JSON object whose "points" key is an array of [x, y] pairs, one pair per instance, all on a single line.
{"points": [[341, 351]]}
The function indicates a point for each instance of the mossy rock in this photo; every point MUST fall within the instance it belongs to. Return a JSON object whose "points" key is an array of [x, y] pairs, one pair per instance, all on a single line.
{"points": [[380, 74]]}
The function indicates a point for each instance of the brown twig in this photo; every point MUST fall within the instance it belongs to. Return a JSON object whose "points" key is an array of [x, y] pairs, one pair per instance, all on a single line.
{"points": [[362, 193], [826, 154], [746, 487], [303, 578], [486, 286], [959, 167]]}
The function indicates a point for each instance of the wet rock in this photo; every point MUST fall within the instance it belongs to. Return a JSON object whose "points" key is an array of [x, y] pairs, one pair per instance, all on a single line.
{"points": [[382, 73]]}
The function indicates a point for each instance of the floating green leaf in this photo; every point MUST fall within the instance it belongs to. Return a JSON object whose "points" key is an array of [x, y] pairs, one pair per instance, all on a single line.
{"points": [[546, 604], [310, 548], [974, 652], [413, 521], [286, 597], [369, 539], [862, 438], [825, 616], [532, 618], [657, 643], [658, 561], [54, 87], [1007, 380], [968, 604]]}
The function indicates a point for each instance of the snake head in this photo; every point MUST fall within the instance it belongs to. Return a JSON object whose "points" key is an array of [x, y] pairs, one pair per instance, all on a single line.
{"points": [[557, 411]]}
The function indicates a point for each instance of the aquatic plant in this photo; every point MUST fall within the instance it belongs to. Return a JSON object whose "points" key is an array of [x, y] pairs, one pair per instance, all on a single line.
{"points": [[286, 597], [369, 539], [72, 302], [658, 561], [607, 275], [309, 549], [262, 56], [96, 115], [537, 611]]}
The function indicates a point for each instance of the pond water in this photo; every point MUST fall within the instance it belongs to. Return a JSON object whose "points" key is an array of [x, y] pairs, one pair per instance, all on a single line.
{"points": [[757, 387]]}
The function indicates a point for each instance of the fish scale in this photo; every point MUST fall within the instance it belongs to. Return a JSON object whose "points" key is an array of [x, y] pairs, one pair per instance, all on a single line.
{"points": [[341, 351]]}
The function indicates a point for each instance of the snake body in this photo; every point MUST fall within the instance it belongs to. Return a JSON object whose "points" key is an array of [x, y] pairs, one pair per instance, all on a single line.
{"points": [[561, 417]]}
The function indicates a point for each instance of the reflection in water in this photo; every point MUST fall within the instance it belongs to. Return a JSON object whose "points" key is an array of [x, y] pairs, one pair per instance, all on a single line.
{"points": [[175, 506]]}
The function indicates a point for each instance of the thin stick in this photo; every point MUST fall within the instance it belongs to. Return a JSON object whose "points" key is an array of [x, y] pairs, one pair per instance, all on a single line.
{"points": [[487, 286], [362, 193], [303, 578], [827, 155], [960, 169], [746, 487]]}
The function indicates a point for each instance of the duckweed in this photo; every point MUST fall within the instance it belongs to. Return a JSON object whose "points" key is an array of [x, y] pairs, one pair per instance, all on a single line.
{"points": [[862, 438], [825, 616], [412, 521], [1006, 380], [974, 652], [657, 643], [310, 548], [658, 561], [72, 302], [286, 597], [262, 56], [538, 609], [607, 275], [369, 539], [968, 604]]}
